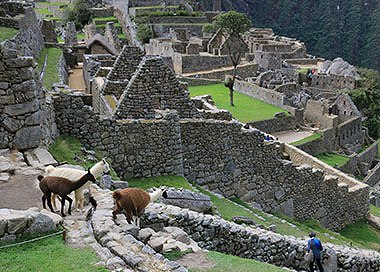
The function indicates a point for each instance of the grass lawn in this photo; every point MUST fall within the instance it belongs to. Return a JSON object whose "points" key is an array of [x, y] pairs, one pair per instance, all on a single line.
{"points": [[247, 109], [103, 20], [7, 33], [81, 36], [43, 11], [224, 262], [50, 254], [362, 233], [169, 181], [332, 159], [307, 139], [51, 70], [375, 211]]}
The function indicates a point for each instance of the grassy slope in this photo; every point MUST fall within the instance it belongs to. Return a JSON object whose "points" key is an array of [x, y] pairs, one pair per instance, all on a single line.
{"points": [[224, 262], [332, 159], [7, 33], [375, 210], [51, 70], [363, 234], [50, 254], [246, 108], [307, 139]]}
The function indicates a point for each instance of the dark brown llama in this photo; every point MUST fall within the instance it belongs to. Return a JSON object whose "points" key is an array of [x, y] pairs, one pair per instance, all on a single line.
{"points": [[62, 187]]}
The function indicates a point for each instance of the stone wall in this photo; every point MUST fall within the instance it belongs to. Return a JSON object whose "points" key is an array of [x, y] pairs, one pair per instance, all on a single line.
{"points": [[236, 162], [160, 30], [24, 111], [154, 87], [216, 234], [373, 177], [193, 81], [137, 148], [243, 71], [193, 63], [276, 124], [350, 132], [14, 223], [257, 92], [333, 82], [176, 20]]}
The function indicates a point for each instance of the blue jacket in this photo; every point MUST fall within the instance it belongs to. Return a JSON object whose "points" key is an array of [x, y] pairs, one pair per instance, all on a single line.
{"points": [[316, 246]]}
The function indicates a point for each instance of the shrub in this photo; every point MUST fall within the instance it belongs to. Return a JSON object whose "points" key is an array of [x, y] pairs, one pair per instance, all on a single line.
{"points": [[144, 33]]}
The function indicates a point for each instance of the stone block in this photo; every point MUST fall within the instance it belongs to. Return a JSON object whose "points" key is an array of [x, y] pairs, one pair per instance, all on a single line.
{"points": [[145, 234], [5, 177], [41, 223], [34, 119], [157, 243], [4, 139], [19, 109], [19, 62], [11, 124], [16, 223], [3, 226], [26, 138]]}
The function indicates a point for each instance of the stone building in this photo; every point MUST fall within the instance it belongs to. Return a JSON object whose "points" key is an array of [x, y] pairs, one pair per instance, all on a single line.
{"points": [[98, 44]]}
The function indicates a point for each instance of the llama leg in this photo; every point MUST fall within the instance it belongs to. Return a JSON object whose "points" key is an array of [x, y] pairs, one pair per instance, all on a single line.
{"points": [[128, 216], [70, 203], [53, 201], [138, 221], [62, 206], [48, 198], [44, 201]]}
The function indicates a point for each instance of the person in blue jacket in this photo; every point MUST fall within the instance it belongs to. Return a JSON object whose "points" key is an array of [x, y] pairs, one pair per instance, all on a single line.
{"points": [[316, 246]]}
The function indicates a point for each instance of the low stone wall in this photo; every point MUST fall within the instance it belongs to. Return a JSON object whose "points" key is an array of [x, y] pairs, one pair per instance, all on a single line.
{"points": [[304, 61], [14, 223], [176, 20], [160, 30], [373, 178], [214, 233], [193, 81], [102, 12], [350, 132], [244, 71], [313, 147], [257, 92], [193, 63], [276, 124], [361, 163]]}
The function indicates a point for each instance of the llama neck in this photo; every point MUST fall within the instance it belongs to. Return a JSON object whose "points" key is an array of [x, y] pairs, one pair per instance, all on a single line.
{"points": [[155, 195], [97, 169], [79, 183]]}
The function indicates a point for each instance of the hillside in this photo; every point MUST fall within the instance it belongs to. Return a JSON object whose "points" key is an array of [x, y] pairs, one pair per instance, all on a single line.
{"points": [[330, 28]]}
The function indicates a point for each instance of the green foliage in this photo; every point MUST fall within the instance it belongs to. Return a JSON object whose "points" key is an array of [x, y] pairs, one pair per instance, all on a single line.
{"points": [[69, 149], [208, 28], [144, 33], [375, 211], [232, 22], [7, 33], [308, 139], [176, 254], [246, 109], [50, 254], [225, 262], [332, 159], [80, 14]]}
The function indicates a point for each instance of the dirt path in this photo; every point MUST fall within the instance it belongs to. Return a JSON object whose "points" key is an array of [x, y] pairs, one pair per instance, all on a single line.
{"points": [[196, 261], [76, 80]]}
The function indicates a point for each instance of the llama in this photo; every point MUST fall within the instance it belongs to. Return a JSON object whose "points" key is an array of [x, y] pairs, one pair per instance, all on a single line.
{"points": [[62, 187], [98, 169], [133, 201]]}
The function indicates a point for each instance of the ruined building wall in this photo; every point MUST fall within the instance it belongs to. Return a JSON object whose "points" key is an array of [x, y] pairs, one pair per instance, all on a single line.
{"points": [[26, 115]]}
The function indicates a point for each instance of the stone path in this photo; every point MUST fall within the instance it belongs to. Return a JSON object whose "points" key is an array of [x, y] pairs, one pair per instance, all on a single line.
{"points": [[76, 80], [290, 136]]}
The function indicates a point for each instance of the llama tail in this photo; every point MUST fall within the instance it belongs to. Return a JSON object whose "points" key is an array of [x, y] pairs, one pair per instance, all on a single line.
{"points": [[91, 211], [116, 195], [40, 177], [49, 169], [93, 202]]}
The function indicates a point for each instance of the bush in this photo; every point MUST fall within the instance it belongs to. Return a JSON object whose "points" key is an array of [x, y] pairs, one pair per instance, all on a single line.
{"points": [[144, 33]]}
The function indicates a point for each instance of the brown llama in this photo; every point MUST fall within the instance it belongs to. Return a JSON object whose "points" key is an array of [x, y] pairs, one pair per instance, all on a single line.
{"points": [[132, 202], [62, 187]]}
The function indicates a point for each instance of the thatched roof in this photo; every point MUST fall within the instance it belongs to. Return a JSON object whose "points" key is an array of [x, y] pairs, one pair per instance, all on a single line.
{"points": [[103, 41]]}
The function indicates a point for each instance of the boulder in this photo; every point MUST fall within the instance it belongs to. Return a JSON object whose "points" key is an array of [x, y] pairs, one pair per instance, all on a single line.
{"points": [[187, 199], [120, 184], [41, 223], [3, 226], [157, 243], [27, 137], [16, 223], [145, 234], [243, 220]]}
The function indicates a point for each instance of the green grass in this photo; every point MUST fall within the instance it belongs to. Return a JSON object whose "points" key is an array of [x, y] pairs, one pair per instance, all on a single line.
{"points": [[43, 11], [50, 254], [81, 36], [224, 262], [169, 181], [103, 20], [375, 211], [155, 7], [363, 234], [51, 70], [41, 59], [116, 25], [7, 33], [247, 109], [56, 4], [311, 138], [333, 159], [378, 140], [175, 254]]}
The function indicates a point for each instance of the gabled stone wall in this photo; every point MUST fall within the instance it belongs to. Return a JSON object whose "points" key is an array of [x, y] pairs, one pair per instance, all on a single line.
{"points": [[154, 87]]}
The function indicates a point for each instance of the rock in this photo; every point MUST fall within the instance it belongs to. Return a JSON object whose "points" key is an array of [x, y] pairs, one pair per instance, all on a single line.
{"points": [[115, 263], [19, 109], [157, 243], [177, 234], [11, 124], [287, 208], [330, 261], [145, 234], [279, 115], [279, 193], [272, 228], [4, 139], [41, 223], [3, 225], [43, 156], [57, 219], [27, 137], [243, 220], [187, 199], [6, 166], [8, 238], [34, 119], [130, 229], [106, 182], [120, 184], [16, 223], [5, 177]]}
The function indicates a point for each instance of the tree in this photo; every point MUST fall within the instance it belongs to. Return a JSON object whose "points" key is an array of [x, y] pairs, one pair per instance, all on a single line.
{"points": [[233, 24], [80, 14], [144, 33]]}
